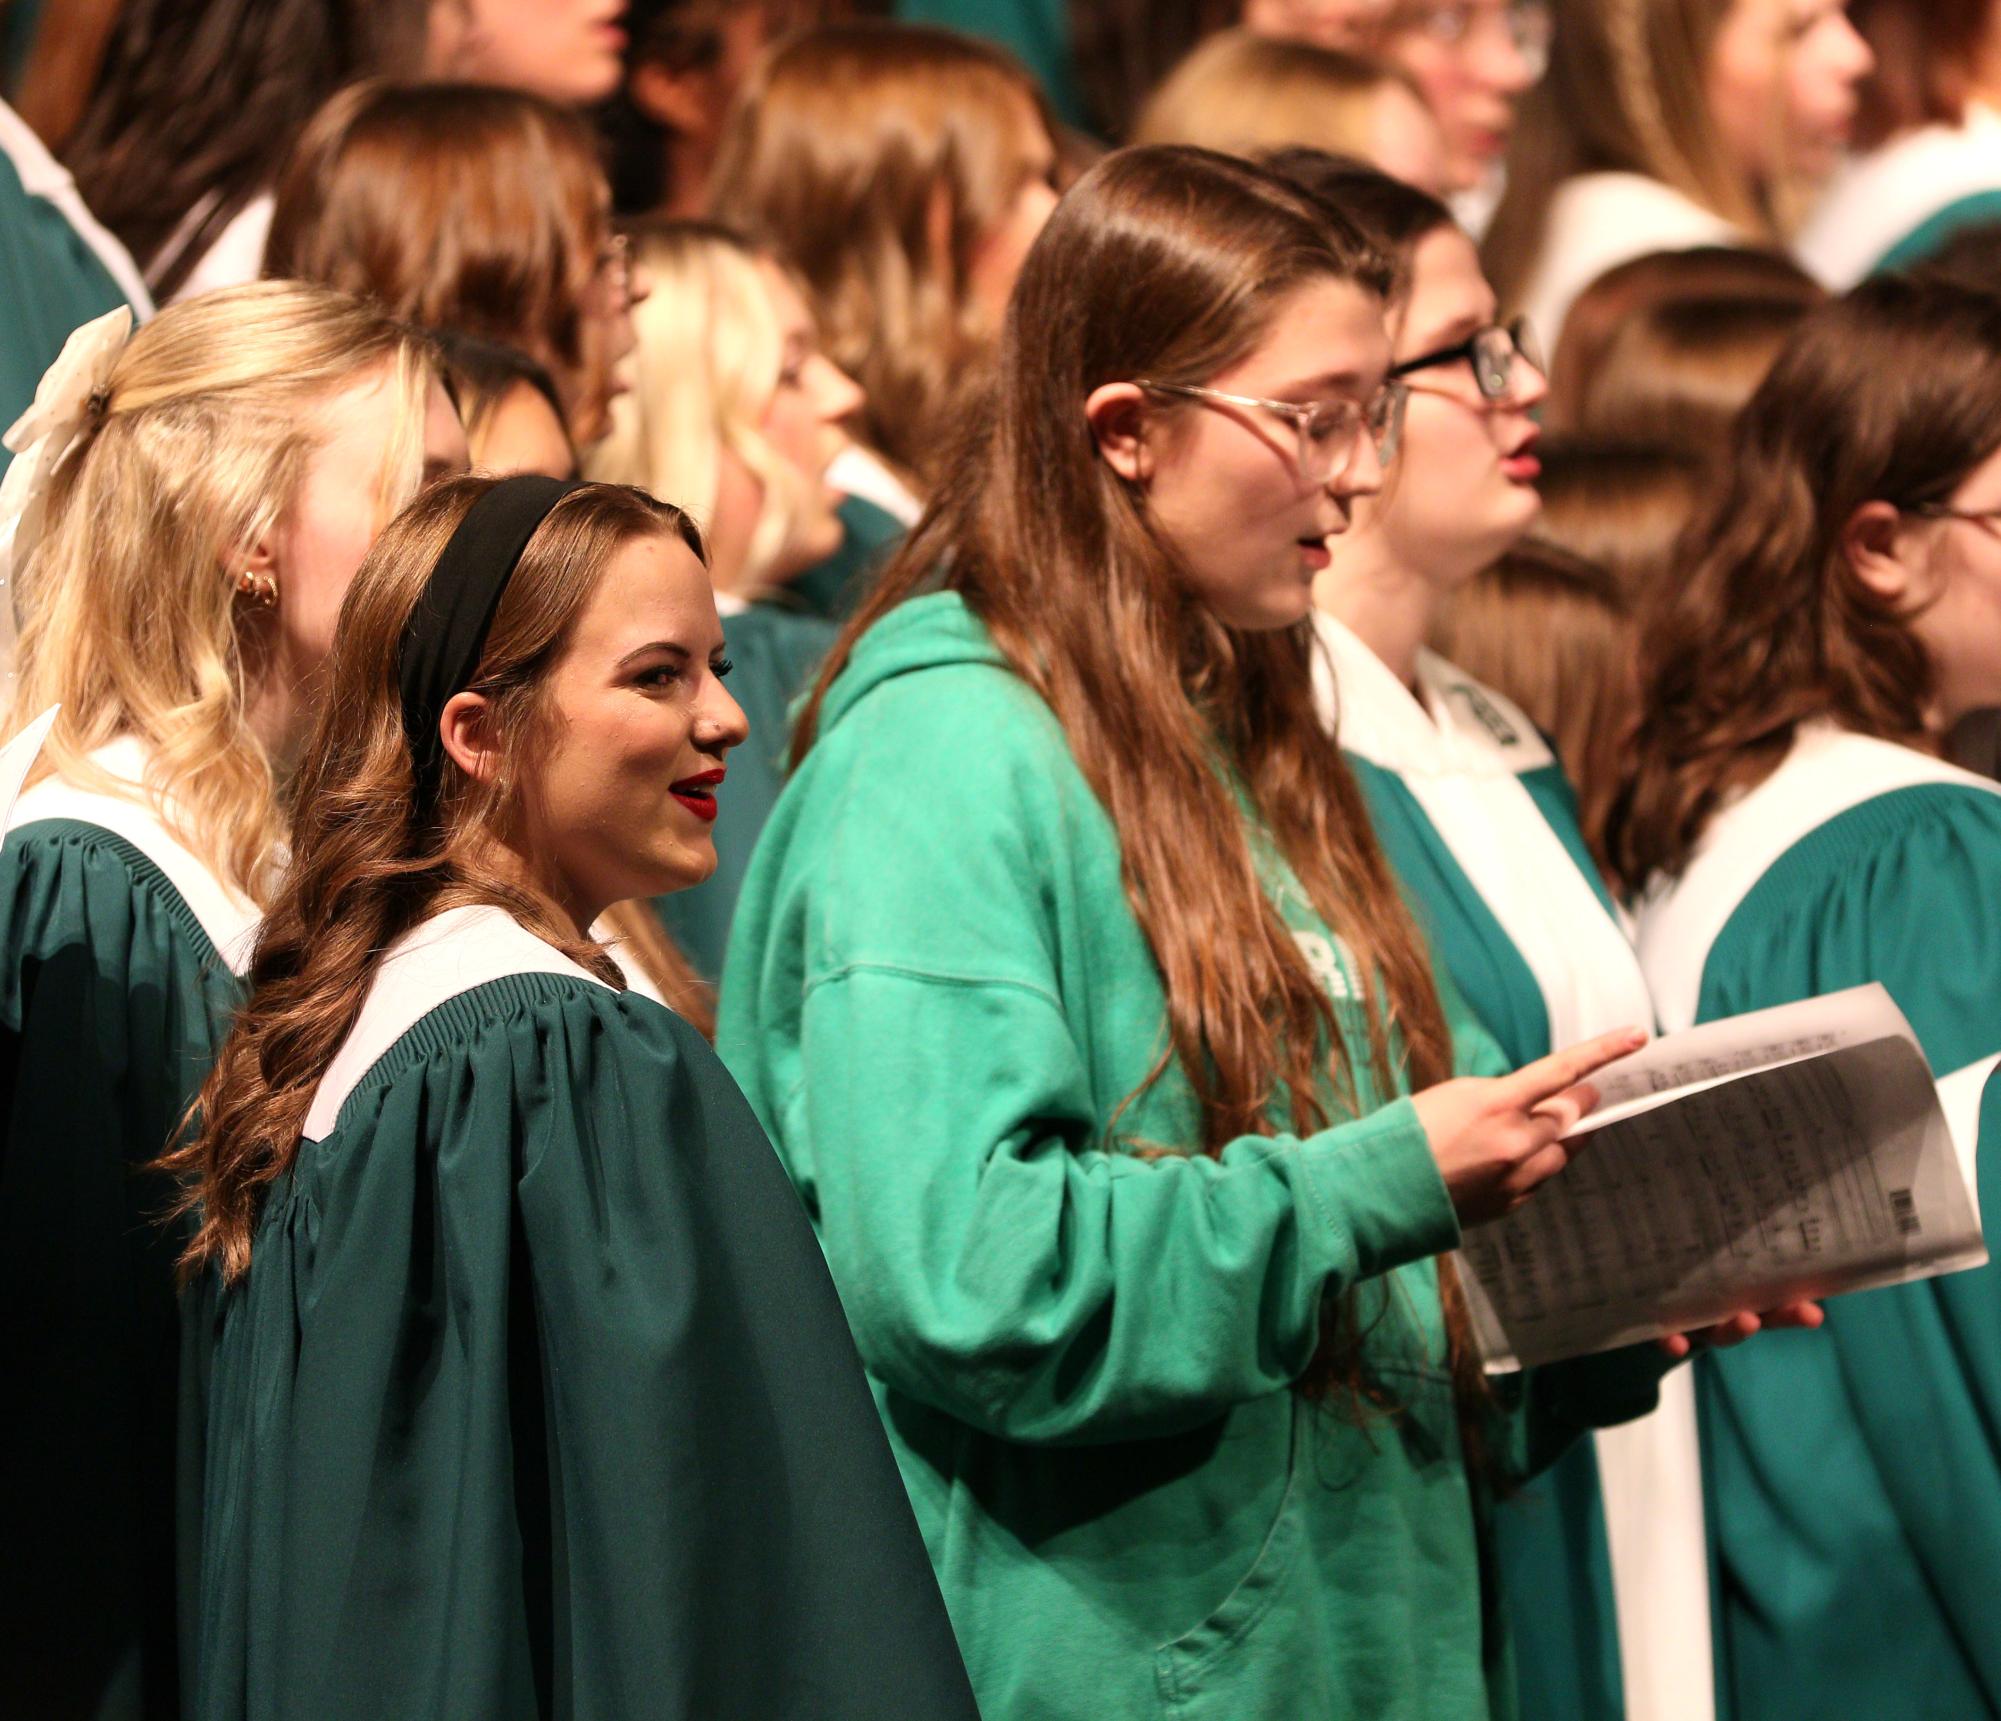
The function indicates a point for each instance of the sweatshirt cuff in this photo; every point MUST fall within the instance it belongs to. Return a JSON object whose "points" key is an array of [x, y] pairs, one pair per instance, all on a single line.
{"points": [[1377, 1183], [1602, 1390]]}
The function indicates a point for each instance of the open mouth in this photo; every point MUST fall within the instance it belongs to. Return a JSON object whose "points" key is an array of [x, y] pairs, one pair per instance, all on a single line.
{"points": [[697, 794]]}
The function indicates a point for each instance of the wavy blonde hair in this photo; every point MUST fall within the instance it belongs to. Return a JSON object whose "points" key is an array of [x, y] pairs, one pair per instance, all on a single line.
{"points": [[1242, 93], [708, 362], [129, 618]]}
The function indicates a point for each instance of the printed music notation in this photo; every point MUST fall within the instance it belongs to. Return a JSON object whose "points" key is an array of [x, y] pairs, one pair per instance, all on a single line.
{"points": [[1797, 1152]]}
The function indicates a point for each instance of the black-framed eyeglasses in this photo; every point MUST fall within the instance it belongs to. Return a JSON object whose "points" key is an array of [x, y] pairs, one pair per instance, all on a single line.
{"points": [[1491, 353], [1330, 431]]}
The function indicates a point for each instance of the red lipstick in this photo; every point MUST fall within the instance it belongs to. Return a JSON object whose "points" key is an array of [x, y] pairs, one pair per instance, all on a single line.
{"points": [[696, 793]]}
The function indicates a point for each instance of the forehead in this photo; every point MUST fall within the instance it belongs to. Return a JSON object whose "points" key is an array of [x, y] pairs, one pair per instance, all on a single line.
{"points": [[1321, 329], [791, 310], [652, 588], [1446, 286]]}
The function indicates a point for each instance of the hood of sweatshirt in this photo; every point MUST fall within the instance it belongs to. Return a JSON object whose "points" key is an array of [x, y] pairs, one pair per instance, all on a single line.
{"points": [[936, 631]]}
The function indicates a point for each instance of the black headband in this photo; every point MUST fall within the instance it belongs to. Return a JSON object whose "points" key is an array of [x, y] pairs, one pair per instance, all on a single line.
{"points": [[446, 632]]}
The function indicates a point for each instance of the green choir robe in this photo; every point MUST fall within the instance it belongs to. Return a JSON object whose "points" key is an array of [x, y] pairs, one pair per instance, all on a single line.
{"points": [[774, 654], [1084, 1336], [1480, 825], [119, 953], [536, 1399], [58, 267], [1854, 1474]]}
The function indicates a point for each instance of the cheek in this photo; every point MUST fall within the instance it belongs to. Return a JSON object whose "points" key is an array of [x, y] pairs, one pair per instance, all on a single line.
{"points": [[794, 432], [325, 551]]}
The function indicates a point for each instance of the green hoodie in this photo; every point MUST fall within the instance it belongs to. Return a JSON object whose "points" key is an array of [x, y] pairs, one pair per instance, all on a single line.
{"points": [[937, 999]]}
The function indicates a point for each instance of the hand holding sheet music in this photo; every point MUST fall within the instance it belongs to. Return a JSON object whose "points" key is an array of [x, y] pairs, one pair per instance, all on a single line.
{"points": [[1746, 1164]]}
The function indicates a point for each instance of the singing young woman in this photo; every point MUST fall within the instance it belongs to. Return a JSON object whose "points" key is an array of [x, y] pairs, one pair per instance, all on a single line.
{"points": [[1087, 1016], [1795, 831], [193, 504], [529, 1393]]}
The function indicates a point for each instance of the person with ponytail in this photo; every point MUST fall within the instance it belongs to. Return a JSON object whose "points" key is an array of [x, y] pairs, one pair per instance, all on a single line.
{"points": [[1795, 831], [1087, 1016], [186, 509], [529, 1393]]}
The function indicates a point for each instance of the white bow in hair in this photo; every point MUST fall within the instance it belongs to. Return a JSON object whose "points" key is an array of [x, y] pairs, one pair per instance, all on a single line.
{"points": [[41, 439]]}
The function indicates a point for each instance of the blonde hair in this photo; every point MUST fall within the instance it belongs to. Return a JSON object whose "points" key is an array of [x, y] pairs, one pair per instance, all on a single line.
{"points": [[128, 613], [847, 144], [707, 364], [1242, 94]]}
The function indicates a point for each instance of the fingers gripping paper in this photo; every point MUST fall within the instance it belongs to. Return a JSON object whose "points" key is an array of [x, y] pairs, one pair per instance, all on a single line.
{"points": [[1793, 1153]]}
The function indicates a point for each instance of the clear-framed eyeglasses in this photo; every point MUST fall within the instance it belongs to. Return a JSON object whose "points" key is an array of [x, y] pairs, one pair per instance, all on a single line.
{"points": [[1330, 432], [1987, 519], [1492, 354], [1528, 25]]}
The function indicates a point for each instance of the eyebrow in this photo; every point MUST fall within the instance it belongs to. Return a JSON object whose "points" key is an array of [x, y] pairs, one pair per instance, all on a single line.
{"points": [[675, 650], [1462, 328], [1341, 382]]}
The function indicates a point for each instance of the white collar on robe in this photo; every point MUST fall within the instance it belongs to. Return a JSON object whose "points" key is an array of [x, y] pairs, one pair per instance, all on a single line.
{"points": [[431, 964], [1597, 221], [1877, 199], [1461, 754], [1828, 771], [230, 919], [856, 472], [44, 177]]}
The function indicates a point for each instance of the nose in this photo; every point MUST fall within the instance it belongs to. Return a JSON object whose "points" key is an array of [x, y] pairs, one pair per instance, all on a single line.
{"points": [[1858, 58], [719, 721], [1528, 387], [836, 394], [1363, 475], [1495, 61]]}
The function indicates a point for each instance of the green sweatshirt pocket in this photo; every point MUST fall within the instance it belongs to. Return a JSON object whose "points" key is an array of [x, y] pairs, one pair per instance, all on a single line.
{"points": [[1183, 1669]]}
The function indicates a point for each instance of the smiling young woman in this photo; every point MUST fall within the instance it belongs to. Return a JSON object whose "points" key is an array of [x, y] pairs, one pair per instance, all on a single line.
{"points": [[1088, 1018], [527, 1379]]}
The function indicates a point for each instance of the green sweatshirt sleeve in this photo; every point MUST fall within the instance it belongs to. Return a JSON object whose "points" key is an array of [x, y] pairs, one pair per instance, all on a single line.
{"points": [[998, 1266]]}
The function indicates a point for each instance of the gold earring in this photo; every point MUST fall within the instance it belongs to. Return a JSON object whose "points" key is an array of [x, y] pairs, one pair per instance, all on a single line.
{"points": [[260, 589]]}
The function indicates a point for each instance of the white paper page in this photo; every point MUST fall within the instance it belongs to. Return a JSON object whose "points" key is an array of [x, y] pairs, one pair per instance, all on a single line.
{"points": [[1961, 1094], [18, 758], [1667, 1069], [1830, 1173]]}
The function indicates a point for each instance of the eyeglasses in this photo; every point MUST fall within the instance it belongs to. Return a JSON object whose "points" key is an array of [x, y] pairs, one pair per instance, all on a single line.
{"points": [[1492, 353], [1330, 431], [1528, 25], [615, 264], [1987, 518]]}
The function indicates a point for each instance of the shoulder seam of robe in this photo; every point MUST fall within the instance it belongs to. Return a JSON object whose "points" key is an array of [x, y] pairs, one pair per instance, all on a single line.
{"points": [[1826, 773], [228, 920], [445, 958]]}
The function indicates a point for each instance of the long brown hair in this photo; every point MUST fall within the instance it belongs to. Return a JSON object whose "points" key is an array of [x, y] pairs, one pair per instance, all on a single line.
{"points": [[1927, 63], [457, 207], [366, 867], [1625, 92], [1171, 262], [1631, 290], [1555, 634], [1891, 394], [199, 100], [846, 144]]}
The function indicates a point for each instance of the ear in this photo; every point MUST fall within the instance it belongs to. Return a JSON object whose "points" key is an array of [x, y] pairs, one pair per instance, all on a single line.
{"points": [[674, 100], [462, 726], [1116, 413], [1879, 552], [260, 558]]}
